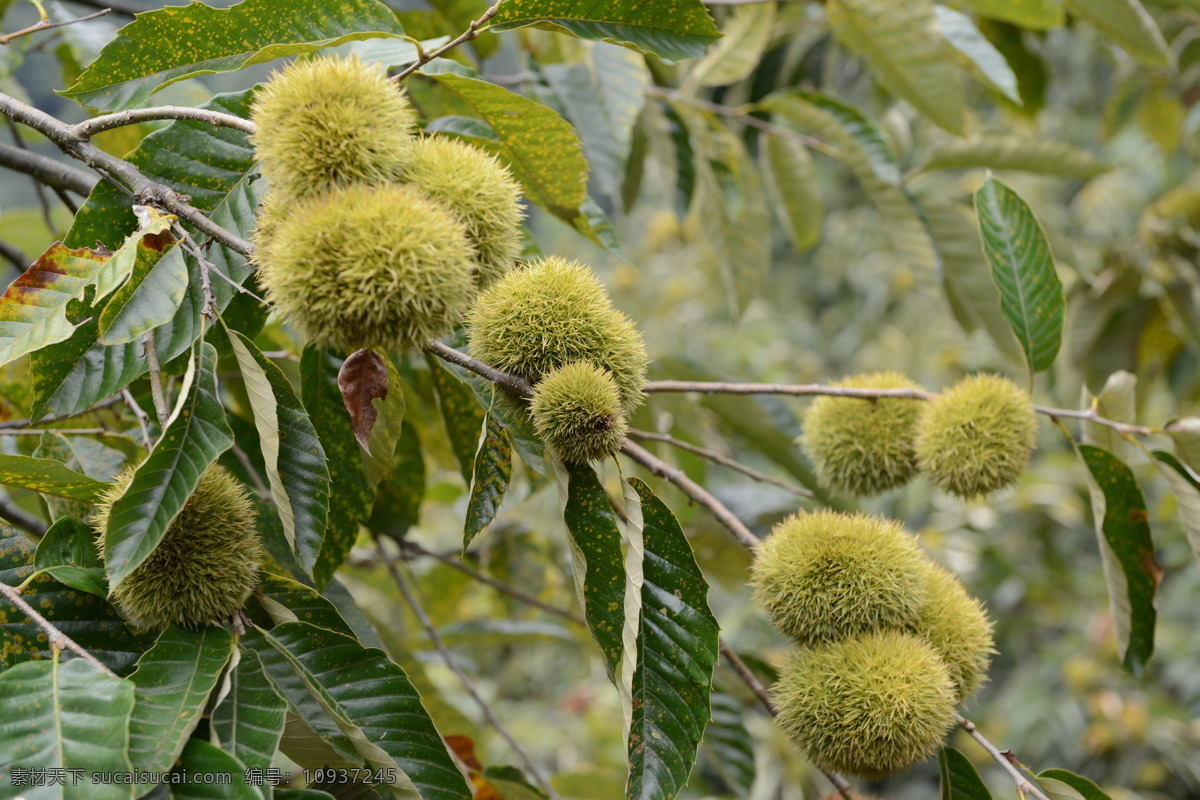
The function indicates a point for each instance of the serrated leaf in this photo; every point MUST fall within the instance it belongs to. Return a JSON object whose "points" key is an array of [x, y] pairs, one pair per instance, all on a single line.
{"points": [[161, 47], [1032, 14], [739, 50], [598, 563], [1031, 295], [976, 54], [249, 723], [673, 30], [1082, 787], [1008, 151], [199, 760], [489, 479], [151, 297], [1128, 24], [900, 41], [959, 780], [166, 479], [1186, 489], [67, 552], [859, 144], [349, 495], [1131, 568], [48, 476], [375, 705], [173, 680], [287, 600], [677, 652], [294, 459], [67, 715], [213, 166], [728, 745], [788, 172]]}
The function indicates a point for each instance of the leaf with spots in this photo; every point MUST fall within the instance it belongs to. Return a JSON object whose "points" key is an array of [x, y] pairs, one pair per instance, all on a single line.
{"points": [[194, 437], [90, 621], [66, 714], [598, 563], [1031, 295], [47, 476], [172, 44], [249, 722], [489, 481], [677, 653], [373, 704], [1131, 568], [173, 680], [673, 30], [67, 552], [213, 166]]}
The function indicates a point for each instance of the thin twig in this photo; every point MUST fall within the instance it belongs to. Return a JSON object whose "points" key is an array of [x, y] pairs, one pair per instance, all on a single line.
{"points": [[1091, 416], [45, 25], [259, 486], [22, 518], [39, 431], [467, 685], [693, 490], [58, 639], [503, 588], [146, 191], [745, 116], [90, 127], [1004, 759], [38, 190], [25, 423], [751, 680], [448, 353], [66, 200], [49, 171], [717, 458], [470, 33], [117, 6], [141, 415], [156, 385]]}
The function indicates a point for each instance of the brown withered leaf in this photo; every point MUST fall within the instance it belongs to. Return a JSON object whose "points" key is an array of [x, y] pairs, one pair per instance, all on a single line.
{"points": [[362, 378]]}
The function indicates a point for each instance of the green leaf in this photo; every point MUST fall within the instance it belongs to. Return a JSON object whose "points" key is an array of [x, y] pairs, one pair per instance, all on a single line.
{"points": [[375, 705], [67, 715], [1130, 566], [151, 297], [673, 30], [489, 480], [163, 483], [295, 461], [213, 166], [173, 680], [199, 760], [728, 746], [1033, 14], [540, 147], [379, 461], [677, 652], [290, 601], [1031, 295], [1129, 25], [249, 723], [48, 476], [960, 781], [740, 49], [33, 309], [788, 171], [1186, 489], [900, 42], [597, 561], [976, 54], [1009, 151], [461, 414], [173, 44], [68, 553], [859, 144], [398, 499], [349, 495], [1081, 786]]}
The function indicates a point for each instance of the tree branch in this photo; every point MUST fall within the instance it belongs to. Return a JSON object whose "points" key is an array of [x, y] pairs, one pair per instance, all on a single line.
{"points": [[156, 385], [1004, 759], [58, 639], [22, 519], [45, 25], [467, 685], [90, 127], [147, 191], [717, 458], [448, 353], [470, 33], [14, 255]]}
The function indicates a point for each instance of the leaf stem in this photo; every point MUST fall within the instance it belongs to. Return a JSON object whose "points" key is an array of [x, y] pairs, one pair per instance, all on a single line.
{"points": [[156, 385], [57, 638], [1004, 758]]}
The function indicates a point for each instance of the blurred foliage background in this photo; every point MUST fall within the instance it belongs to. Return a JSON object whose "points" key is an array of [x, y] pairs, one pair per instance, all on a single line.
{"points": [[746, 255]]}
